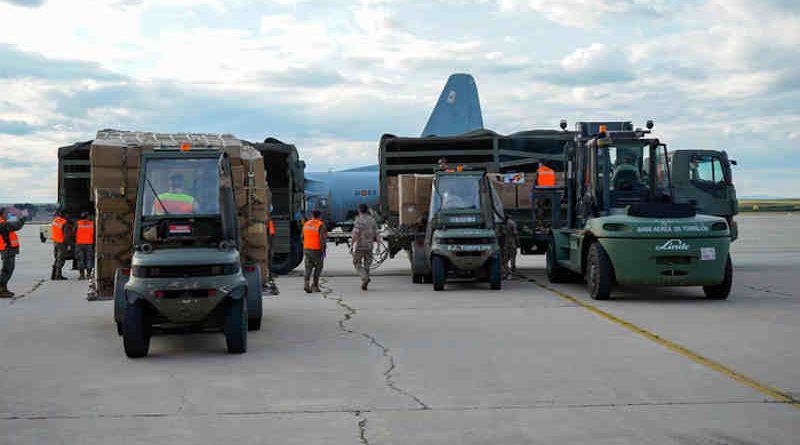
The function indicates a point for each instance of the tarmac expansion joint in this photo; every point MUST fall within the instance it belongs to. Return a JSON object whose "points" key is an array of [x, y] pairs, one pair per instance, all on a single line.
{"points": [[362, 427], [388, 374], [33, 289]]}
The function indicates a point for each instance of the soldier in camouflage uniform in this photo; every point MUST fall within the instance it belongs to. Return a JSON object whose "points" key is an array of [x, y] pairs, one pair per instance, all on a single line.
{"points": [[511, 244], [9, 249], [365, 234]]}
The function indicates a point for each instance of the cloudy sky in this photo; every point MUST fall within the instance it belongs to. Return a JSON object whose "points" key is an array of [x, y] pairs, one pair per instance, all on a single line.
{"points": [[331, 76]]}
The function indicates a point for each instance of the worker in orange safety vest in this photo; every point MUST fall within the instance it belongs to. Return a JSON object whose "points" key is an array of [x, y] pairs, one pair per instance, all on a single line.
{"points": [[545, 176], [315, 236], [84, 245], [9, 249], [59, 233]]}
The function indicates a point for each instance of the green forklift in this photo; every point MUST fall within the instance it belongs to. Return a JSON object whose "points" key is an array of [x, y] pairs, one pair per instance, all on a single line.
{"points": [[186, 273], [623, 224], [461, 233]]}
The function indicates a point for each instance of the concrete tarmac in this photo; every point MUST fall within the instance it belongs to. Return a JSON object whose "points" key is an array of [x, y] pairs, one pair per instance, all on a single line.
{"points": [[401, 364]]}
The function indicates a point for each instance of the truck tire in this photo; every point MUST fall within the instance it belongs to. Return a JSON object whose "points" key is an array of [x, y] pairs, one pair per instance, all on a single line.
{"points": [[722, 290], [439, 272], [599, 273], [236, 325], [136, 330], [291, 260], [555, 272], [495, 274], [417, 278]]}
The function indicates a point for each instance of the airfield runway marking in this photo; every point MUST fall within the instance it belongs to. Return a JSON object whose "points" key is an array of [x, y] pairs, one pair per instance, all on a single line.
{"points": [[774, 393]]}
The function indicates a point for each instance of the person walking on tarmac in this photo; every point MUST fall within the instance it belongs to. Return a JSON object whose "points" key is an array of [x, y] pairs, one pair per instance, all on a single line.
{"points": [[365, 234], [59, 232], [9, 249], [314, 238], [511, 246], [84, 245]]}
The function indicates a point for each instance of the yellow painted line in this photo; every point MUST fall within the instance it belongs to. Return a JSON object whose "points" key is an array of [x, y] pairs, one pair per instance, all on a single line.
{"points": [[695, 357]]}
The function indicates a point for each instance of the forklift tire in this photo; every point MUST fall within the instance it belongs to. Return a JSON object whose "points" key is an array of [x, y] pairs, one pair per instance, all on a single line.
{"points": [[236, 325], [136, 330], [722, 290], [254, 299], [439, 272], [555, 272], [495, 275], [599, 273], [42, 238]]}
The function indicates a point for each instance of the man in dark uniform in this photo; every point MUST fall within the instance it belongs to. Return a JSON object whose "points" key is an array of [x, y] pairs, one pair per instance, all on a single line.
{"points": [[61, 236], [9, 249]]}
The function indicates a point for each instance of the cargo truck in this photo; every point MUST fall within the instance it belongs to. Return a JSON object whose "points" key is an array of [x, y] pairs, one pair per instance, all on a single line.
{"points": [[74, 188], [627, 222], [519, 154], [704, 180], [180, 235], [285, 177]]}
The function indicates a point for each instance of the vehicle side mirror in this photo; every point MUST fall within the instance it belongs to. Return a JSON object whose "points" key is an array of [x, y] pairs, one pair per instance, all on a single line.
{"points": [[734, 162]]}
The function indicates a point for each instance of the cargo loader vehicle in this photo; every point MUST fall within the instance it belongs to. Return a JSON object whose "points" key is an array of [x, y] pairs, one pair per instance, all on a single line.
{"points": [[460, 237], [193, 258], [624, 222], [517, 155]]}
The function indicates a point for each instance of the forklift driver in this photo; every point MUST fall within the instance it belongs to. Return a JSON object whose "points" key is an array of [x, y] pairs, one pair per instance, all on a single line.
{"points": [[175, 200]]}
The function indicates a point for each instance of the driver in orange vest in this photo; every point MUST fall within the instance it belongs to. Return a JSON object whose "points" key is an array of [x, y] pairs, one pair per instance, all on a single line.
{"points": [[59, 232], [315, 235], [9, 249], [175, 201], [84, 245]]}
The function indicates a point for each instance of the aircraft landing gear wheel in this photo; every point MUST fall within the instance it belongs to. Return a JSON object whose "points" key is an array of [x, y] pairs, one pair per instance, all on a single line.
{"points": [[236, 325], [439, 272], [599, 273], [555, 272], [136, 330], [722, 290], [495, 273]]}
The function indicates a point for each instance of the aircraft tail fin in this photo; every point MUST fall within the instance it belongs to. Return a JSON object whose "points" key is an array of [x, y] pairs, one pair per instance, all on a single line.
{"points": [[458, 109]]}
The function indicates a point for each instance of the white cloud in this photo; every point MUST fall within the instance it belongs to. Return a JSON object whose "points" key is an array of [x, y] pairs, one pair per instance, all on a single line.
{"points": [[331, 76]]}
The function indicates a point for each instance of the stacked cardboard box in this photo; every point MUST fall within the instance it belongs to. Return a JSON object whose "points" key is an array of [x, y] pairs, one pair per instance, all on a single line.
{"points": [[115, 159], [514, 196], [414, 197], [252, 200], [393, 192]]}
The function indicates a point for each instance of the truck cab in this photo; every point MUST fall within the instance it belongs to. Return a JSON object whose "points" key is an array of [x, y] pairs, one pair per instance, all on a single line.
{"points": [[704, 179], [186, 272], [623, 225], [461, 234]]}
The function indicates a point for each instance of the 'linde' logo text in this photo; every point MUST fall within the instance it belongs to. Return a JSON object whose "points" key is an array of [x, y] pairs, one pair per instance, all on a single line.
{"points": [[673, 245]]}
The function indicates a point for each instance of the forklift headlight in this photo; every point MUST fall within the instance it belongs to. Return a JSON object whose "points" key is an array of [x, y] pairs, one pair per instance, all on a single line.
{"points": [[616, 227], [719, 226]]}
